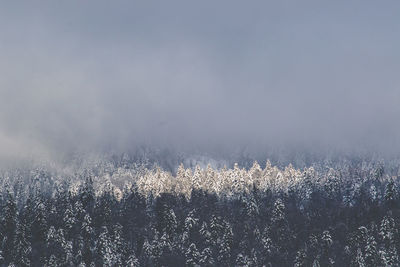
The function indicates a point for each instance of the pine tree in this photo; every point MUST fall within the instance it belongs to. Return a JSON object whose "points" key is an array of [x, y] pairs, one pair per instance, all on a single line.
{"points": [[242, 261], [225, 245], [69, 220], [206, 257], [267, 246], [390, 194], [190, 223], [164, 249], [134, 216], [359, 260], [119, 244], [371, 252], [58, 247], [197, 178], [278, 213], [87, 234], [87, 193], [146, 256], [39, 230], [69, 257], [280, 231], [22, 246], [392, 258], [316, 263], [52, 262], [387, 230], [301, 258], [105, 250], [170, 222], [9, 224], [192, 256], [132, 261], [312, 248], [206, 234], [102, 210], [326, 242], [252, 209]]}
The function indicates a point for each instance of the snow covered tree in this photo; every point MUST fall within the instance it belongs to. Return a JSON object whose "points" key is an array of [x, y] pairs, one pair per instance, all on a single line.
{"points": [[280, 232], [69, 220], [39, 230], [390, 194], [190, 223], [8, 226], [87, 193], [132, 261], [391, 256], [371, 252], [242, 261], [119, 244], [359, 261], [87, 234], [206, 257], [170, 222], [326, 243], [22, 246], [301, 258], [105, 250], [192, 256], [206, 234], [58, 247], [225, 244], [387, 230]]}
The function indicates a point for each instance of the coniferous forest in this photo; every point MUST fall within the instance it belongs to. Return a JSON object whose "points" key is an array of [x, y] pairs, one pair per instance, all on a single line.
{"points": [[129, 215], [199, 133]]}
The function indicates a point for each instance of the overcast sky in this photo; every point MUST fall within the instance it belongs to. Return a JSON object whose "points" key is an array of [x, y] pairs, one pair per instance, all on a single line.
{"points": [[114, 74]]}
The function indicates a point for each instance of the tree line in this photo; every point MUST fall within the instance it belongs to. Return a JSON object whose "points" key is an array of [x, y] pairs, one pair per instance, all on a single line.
{"points": [[346, 216]]}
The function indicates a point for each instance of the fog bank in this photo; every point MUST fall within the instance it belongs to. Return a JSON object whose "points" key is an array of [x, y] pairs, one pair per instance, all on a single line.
{"points": [[198, 76]]}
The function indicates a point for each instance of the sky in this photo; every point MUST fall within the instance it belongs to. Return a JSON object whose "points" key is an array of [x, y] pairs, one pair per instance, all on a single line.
{"points": [[112, 75]]}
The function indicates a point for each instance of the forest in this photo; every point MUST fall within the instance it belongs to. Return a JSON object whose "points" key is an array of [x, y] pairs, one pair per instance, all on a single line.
{"points": [[120, 213], [199, 133]]}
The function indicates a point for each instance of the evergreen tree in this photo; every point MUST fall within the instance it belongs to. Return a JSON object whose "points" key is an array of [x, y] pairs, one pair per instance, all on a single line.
{"points": [[105, 249], [70, 220], [87, 244], [189, 228], [87, 193], [359, 260], [206, 235], [301, 259], [192, 256], [387, 230], [280, 231], [390, 194], [371, 252], [39, 230], [392, 258], [132, 261], [225, 245], [326, 243], [9, 224], [22, 246], [206, 257], [119, 244], [242, 261], [170, 222]]}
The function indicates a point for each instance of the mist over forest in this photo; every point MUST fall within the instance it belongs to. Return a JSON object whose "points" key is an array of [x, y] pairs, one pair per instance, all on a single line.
{"points": [[198, 79], [181, 133]]}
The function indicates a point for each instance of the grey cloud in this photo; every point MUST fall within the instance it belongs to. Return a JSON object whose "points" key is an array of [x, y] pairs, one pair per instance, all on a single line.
{"points": [[99, 74]]}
